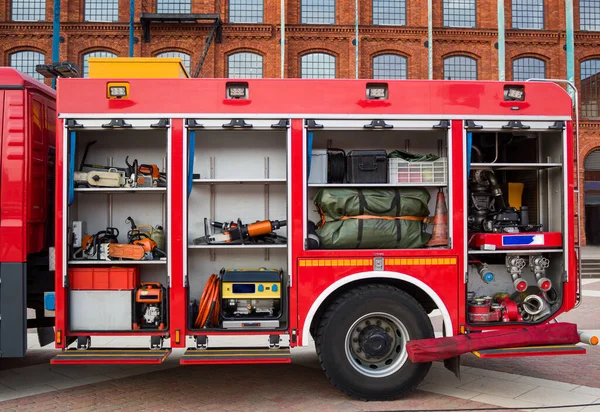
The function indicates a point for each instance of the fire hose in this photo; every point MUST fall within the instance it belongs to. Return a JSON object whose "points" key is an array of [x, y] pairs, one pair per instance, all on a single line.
{"points": [[208, 312]]}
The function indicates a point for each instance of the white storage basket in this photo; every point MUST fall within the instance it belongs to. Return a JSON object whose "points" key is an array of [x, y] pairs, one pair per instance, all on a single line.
{"points": [[408, 173]]}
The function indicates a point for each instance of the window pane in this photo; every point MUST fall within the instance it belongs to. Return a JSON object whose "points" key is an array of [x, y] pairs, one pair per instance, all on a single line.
{"points": [[28, 10], [459, 13], [528, 68], [317, 12], [389, 66], [246, 11], [85, 67], [25, 62], [173, 6], [317, 66], [185, 58], [389, 12], [590, 90], [460, 68], [101, 10], [589, 15], [528, 14], [245, 65]]}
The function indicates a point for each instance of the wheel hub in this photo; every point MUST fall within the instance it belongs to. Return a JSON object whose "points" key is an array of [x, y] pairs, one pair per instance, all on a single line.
{"points": [[375, 342]]}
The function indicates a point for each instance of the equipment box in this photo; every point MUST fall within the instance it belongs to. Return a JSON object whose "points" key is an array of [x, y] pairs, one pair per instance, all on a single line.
{"points": [[318, 167], [367, 166], [402, 171], [100, 310], [104, 278]]}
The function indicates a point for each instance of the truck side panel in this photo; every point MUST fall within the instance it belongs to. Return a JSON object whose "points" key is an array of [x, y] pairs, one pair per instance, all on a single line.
{"points": [[13, 307]]}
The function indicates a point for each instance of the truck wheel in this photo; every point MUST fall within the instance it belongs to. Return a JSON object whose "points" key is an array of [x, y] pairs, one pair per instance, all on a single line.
{"points": [[361, 342]]}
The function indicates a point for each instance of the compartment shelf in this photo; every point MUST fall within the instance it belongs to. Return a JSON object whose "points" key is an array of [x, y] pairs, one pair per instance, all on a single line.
{"points": [[512, 251], [377, 185], [117, 262], [239, 181], [515, 166], [120, 189], [266, 246]]}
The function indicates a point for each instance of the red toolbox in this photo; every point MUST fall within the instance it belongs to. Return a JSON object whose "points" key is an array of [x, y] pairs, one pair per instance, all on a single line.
{"points": [[104, 278]]}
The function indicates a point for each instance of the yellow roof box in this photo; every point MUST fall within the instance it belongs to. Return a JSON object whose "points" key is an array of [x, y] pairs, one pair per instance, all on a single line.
{"points": [[136, 68]]}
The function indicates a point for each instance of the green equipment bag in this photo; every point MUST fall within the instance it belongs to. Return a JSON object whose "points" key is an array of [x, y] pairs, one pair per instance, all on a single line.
{"points": [[373, 218]]}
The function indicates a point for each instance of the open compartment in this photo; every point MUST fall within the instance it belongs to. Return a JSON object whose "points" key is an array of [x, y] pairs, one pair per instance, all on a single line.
{"points": [[117, 245], [237, 211], [376, 185], [516, 222]]}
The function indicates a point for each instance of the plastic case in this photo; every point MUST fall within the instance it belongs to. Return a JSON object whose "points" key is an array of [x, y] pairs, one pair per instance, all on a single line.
{"points": [[104, 278], [367, 166], [318, 166], [402, 171]]}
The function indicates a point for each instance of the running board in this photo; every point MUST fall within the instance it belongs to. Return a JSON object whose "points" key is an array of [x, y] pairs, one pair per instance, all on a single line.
{"points": [[550, 350], [235, 356], [111, 356]]}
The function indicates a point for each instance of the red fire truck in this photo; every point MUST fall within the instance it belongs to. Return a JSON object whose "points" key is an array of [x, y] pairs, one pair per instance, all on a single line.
{"points": [[242, 218], [27, 140]]}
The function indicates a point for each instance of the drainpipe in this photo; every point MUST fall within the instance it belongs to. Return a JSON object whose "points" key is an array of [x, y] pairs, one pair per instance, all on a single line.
{"points": [[356, 33], [570, 43], [501, 52], [56, 37], [131, 23], [282, 39], [430, 39]]}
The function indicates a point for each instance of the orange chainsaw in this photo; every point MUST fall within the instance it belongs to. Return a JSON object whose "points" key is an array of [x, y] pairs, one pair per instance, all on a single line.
{"points": [[232, 232]]}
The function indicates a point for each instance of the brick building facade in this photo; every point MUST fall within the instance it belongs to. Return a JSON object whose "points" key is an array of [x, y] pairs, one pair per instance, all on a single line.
{"points": [[320, 40]]}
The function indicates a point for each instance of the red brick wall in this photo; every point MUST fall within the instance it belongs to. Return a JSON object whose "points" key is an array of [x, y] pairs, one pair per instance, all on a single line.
{"points": [[409, 40]]}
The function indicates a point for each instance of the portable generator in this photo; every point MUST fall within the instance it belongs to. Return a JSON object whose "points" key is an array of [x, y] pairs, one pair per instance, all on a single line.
{"points": [[251, 298], [150, 306]]}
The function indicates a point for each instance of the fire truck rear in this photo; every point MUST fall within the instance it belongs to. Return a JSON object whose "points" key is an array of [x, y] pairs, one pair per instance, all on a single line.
{"points": [[241, 218]]}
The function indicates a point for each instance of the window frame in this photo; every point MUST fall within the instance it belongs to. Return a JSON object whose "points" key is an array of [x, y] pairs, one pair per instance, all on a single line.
{"points": [[325, 24], [596, 88], [515, 60], [381, 55], [262, 14], [85, 68], [514, 27], [32, 73], [581, 15], [335, 73], [444, 14], [262, 64], [177, 2], [404, 14], [85, 11], [469, 58], [27, 3]]}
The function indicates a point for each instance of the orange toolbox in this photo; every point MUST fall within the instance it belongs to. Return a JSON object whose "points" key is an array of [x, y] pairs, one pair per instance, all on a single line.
{"points": [[104, 278]]}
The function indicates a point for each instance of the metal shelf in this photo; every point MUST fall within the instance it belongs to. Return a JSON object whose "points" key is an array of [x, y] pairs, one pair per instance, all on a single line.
{"points": [[239, 181], [513, 251], [239, 246], [120, 189], [117, 262], [515, 166], [377, 185]]}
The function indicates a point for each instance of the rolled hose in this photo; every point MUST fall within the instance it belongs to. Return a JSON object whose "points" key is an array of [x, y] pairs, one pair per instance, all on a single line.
{"points": [[208, 312]]}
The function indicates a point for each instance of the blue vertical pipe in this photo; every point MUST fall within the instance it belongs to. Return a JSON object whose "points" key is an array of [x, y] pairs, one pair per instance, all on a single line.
{"points": [[131, 23], [501, 53], [570, 43], [56, 36]]}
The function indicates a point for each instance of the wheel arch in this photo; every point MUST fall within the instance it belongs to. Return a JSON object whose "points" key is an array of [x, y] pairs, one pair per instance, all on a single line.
{"points": [[422, 293]]}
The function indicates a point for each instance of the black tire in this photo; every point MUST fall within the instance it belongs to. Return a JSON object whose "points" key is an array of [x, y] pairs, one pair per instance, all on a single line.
{"points": [[332, 332]]}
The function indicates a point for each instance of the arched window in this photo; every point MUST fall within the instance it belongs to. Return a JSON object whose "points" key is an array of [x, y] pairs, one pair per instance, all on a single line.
{"points": [[528, 68], [173, 6], [245, 65], [459, 13], [460, 68], [528, 14], [389, 66], [589, 15], [25, 62], [317, 11], [389, 12], [590, 88], [85, 66], [28, 10], [317, 66], [101, 10], [246, 11], [185, 58]]}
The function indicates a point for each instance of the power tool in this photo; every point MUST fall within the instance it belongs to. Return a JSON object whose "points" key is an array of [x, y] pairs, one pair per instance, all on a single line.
{"points": [[150, 306], [232, 232]]}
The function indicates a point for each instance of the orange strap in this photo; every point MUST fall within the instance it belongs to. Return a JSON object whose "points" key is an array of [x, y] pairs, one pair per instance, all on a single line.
{"points": [[417, 218]]}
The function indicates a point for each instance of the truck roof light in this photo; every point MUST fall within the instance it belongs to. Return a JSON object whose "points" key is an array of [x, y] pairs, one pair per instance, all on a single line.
{"points": [[117, 90], [514, 93], [377, 91], [237, 90]]}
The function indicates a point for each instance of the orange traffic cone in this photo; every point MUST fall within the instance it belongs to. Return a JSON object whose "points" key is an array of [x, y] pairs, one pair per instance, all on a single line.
{"points": [[439, 235]]}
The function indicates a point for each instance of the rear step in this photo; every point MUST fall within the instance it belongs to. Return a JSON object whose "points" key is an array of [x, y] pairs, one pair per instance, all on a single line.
{"points": [[235, 356], [550, 350], [111, 356]]}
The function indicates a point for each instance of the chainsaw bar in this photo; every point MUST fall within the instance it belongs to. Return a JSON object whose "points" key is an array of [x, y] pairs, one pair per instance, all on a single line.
{"points": [[125, 251]]}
